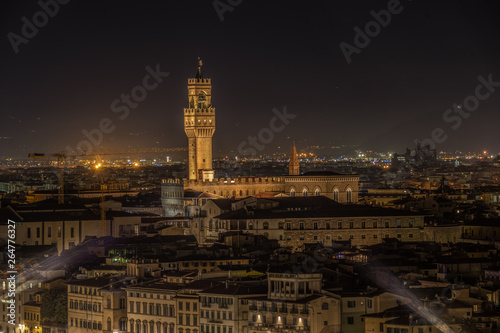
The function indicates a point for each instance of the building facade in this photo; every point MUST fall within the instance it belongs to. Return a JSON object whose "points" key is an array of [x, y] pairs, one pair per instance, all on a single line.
{"points": [[97, 305], [224, 308], [294, 303], [302, 220], [152, 307], [68, 225]]}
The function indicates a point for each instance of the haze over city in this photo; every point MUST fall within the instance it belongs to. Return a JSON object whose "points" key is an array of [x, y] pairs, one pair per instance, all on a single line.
{"points": [[261, 56]]}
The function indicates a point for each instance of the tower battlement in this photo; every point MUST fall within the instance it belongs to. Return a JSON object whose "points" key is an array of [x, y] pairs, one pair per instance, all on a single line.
{"points": [[234, 181], [171, 181], [237, 187], [199, 81], [193, 111]]}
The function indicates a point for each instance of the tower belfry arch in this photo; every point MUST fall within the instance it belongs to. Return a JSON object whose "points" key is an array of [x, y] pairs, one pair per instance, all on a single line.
{"points": [[199, 125]]}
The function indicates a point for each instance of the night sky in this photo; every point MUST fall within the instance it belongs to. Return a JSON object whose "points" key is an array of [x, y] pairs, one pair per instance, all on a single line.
{"points": [[263, 55]]}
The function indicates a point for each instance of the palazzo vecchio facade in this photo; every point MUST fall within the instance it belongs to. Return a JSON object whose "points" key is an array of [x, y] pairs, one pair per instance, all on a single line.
{"points": [[199, 125]]}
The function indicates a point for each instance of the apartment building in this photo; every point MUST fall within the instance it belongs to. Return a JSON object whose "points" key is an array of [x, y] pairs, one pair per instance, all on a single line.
{"points": [[294, 303], [152, 307], [97, 305], [224, 308]]}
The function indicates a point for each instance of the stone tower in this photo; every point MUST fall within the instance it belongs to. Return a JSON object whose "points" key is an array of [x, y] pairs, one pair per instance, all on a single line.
{"points": [[293, 166], [199, 125], [172, 197]]}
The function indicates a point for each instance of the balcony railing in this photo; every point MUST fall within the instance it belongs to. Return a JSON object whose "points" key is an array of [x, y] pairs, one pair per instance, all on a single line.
{"points": [[252, 307]]}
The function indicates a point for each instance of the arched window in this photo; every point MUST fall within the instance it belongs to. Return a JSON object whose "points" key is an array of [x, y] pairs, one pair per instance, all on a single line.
{"points": [[131, 325], [349, 195], [304, 192], [123, 324], [158, 327], [265, 225], [151, 327], [336, 194], [171, 328], [250, 225], [292, 192], [202, 98], [109, 324], [317, 192], [108, 302], [137, 326], [145, 326], [123, 303]]}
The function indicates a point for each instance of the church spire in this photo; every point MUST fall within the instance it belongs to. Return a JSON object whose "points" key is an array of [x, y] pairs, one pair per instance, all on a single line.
{"points": [[198, 73], [293, 167]]}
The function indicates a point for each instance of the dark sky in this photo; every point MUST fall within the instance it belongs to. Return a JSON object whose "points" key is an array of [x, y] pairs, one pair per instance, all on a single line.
{"points": [[263, 55]]}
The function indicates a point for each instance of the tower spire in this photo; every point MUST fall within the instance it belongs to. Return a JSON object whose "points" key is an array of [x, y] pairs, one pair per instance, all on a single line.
{"points": [[198, 73], [294, 167]]}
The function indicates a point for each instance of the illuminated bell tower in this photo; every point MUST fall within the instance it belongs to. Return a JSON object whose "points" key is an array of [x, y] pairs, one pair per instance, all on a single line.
{"points": [[199, 125], [293, 166]]}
